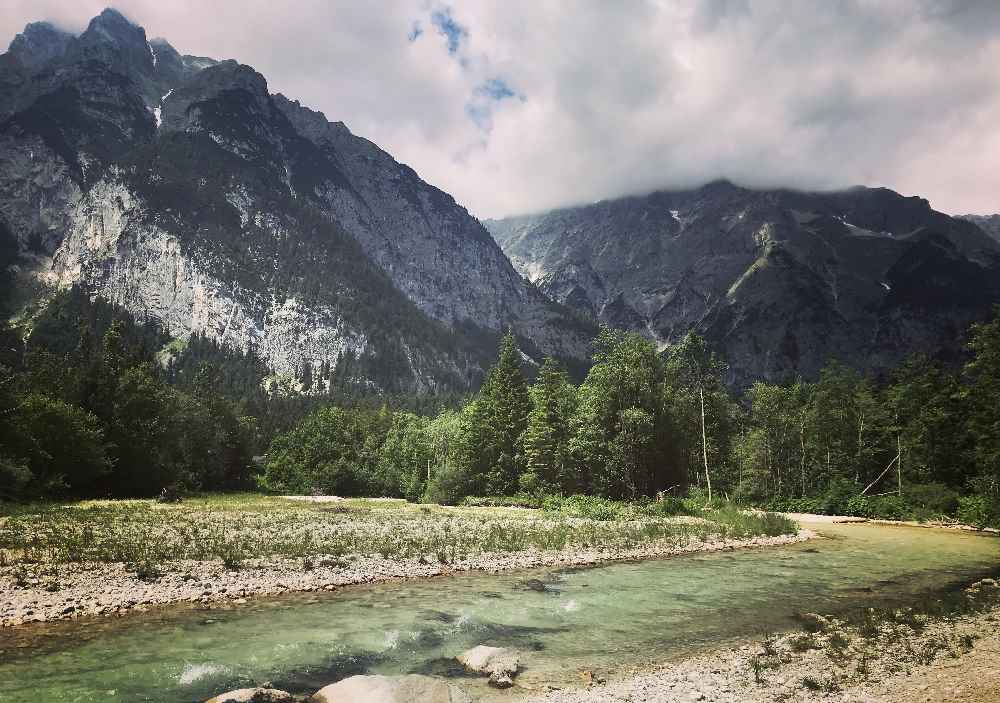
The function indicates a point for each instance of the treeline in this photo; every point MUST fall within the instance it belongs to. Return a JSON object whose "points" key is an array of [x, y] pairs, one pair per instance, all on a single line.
{"points": [[633, 428], [88, 411], [92, 406], [922, 442]]}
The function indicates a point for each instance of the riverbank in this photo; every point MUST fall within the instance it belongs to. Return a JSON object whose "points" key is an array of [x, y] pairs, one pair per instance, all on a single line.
{"points": [[943, 651], [930, 524], [111, 558]]}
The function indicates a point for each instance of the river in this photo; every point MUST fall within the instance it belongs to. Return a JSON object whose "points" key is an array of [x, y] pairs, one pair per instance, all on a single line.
{"points": [[603, 619]]}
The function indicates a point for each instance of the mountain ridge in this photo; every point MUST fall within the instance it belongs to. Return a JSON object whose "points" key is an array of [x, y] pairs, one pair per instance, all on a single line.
{"points": [[779, 280], [181, 189]]}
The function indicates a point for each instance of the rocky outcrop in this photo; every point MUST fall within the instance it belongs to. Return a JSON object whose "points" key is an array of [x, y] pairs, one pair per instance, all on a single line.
{"points": [[412, 688], [253, 695], [779, 281], [181, 189], [499, 663]]}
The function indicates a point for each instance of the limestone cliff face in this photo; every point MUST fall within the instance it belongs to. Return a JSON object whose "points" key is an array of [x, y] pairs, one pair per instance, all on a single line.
{"points": [[779, 281], [180, 188]]}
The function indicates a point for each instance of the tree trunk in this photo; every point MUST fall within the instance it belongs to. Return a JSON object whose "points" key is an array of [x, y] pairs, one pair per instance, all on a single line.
{"points": [[704, 442], [802, 457], [899, 466]]}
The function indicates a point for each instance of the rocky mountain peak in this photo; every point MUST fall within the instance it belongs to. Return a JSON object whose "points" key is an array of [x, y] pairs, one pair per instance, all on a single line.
{"points": [[112, 39], [39, 43]]}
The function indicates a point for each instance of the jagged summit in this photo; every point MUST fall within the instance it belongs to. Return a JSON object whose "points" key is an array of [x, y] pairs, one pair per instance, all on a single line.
{"points": [[39, 43]]}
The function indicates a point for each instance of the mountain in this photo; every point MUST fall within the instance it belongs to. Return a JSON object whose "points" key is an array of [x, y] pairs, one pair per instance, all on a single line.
{"points": [[180, 188], [988, 223], [779, 281]]}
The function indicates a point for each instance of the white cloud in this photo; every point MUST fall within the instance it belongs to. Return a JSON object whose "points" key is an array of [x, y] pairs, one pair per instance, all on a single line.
{"points": [[612, 98]]}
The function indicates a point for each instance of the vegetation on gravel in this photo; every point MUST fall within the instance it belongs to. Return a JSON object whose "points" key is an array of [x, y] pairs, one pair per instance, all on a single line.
{"points": [[237, 528]]}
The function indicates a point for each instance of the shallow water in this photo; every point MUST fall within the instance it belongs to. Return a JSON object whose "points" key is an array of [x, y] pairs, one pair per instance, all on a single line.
{"points": [[603, 619]]}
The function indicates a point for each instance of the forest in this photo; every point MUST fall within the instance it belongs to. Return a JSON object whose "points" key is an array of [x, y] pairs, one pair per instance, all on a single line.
{"points": [[98, 412]]}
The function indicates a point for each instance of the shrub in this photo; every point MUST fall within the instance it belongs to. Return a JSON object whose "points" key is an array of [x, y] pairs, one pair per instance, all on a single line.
{"points": [[590, 507], [935, 498], [838, 496], [979, 510]]}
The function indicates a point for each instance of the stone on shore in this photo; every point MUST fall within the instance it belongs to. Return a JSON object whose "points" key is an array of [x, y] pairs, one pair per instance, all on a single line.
{"points": [[499, 663], [412, 688], [253, 695]]}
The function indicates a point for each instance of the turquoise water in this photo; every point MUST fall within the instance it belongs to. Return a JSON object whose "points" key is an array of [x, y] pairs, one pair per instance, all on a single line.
{"points": [[603, 619]]}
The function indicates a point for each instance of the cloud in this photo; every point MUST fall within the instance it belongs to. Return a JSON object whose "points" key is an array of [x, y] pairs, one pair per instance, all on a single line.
{"points": [[524, 105]]}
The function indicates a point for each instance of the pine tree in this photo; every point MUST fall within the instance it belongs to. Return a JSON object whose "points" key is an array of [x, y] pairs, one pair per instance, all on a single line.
{"points": [[546, 439], [497, 419]]}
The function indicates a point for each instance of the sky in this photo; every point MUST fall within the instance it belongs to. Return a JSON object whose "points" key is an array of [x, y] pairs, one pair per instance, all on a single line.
{"points": [[517, 106]]}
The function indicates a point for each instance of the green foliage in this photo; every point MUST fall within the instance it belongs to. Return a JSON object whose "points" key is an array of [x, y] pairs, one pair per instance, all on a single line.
{"points": [[979, 510], [332, 452], [497, 419], [519, 500], [63, 446], [546, 440], [91, 413], [622, 437]]}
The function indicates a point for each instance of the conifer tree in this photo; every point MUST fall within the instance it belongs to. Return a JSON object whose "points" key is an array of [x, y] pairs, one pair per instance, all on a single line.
{"points": [[546, 439], [497, 419]]}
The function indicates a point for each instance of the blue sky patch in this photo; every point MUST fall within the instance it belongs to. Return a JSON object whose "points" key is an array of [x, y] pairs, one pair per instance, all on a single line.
{"points": [[415, 32], [497, 89], [449, 29], [485, 97]]}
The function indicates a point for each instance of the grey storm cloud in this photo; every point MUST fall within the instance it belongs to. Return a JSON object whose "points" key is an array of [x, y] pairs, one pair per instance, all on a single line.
{"points": [[522, 105]]}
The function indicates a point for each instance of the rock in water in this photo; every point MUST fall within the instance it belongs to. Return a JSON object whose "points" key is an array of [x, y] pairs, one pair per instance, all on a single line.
{"points": [[253, 695], [499, 663], [412, 688]]}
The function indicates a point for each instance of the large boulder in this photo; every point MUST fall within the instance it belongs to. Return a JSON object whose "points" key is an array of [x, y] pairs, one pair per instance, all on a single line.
{"points": [[411, 688], [499, 663], [253, 695]]}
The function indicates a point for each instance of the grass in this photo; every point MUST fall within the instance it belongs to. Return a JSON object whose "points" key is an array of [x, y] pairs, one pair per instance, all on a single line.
{"points": [[236, 528]]}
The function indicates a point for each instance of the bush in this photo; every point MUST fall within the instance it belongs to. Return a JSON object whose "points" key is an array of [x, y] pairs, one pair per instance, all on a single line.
{"points": [[838, 496], [935, 499], [979, 511], [590, 507]]}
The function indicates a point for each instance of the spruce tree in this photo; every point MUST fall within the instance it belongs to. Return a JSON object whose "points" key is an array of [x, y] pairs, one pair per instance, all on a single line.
{"points": [[546, 439], [499, 417]]}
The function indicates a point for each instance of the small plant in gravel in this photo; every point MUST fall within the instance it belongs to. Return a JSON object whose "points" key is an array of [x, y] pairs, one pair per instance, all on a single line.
{"points": [[21, 577], [811, 684], [770, 645], [803, 643], [147, 570], [757, 666], [233, 557], [863, 669], [838, 641], [871, 624]]}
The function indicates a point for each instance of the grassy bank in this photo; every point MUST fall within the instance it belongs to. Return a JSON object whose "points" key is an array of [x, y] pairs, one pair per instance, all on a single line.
{"points": [[236, 528], [62, 561]]}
